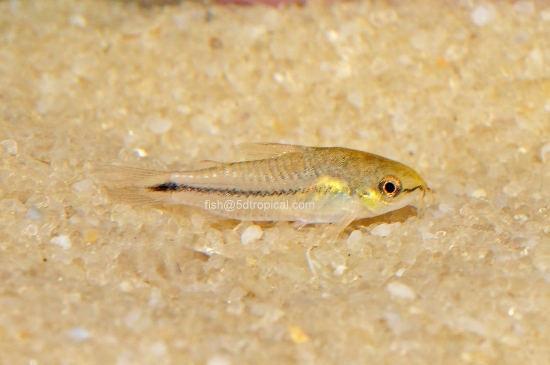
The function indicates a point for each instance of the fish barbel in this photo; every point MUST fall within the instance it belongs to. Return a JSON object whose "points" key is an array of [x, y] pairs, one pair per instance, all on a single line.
{"points": [[280, 183]]}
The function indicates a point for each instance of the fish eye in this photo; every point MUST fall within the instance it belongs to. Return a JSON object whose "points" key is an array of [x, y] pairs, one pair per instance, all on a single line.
{"points": [[390, 186]]}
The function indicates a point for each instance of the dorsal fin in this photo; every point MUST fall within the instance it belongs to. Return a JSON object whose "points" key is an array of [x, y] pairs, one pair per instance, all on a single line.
{"points": [[268, 150], [210, 163]]}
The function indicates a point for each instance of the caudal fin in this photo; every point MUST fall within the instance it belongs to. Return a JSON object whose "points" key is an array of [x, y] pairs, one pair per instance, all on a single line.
{"points": [[131, 185]]}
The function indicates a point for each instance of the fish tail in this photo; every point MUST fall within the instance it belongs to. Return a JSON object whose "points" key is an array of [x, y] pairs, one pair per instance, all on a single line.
{"points": [[132, 185]]}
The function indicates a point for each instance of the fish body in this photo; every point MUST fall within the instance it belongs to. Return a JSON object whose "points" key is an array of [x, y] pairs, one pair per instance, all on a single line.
{"points": [[281, 183]]}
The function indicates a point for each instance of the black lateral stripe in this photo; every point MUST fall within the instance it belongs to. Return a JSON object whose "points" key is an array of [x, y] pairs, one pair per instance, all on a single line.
{"points": [[174, 187], [169, 186]]}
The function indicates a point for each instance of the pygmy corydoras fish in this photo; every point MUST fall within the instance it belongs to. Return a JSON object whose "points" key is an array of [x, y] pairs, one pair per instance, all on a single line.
{"points": [[279, 183]]}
